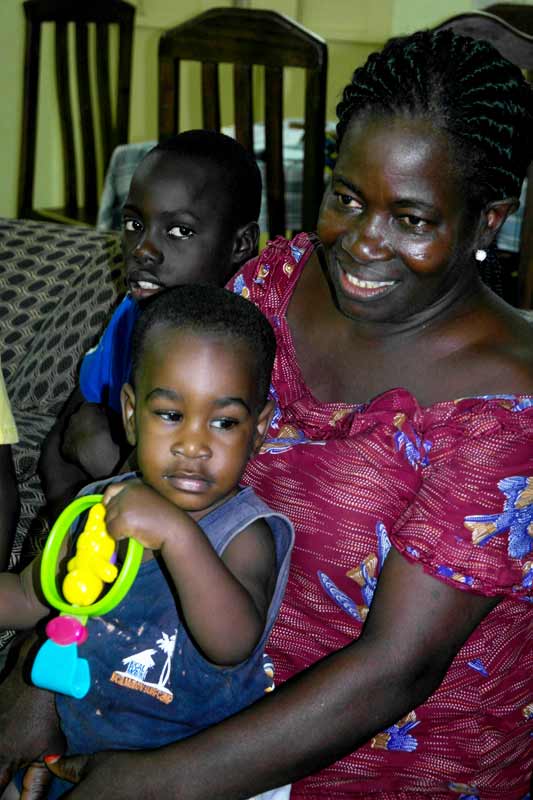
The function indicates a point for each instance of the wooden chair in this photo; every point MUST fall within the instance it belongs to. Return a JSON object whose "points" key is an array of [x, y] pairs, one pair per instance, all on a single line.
{"points": [[112, 117], [516, 46], [246, 37], [518, 15]]}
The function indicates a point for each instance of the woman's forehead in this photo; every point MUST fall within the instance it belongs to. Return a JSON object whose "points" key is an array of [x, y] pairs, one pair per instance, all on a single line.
{"points": [[404, 151]]}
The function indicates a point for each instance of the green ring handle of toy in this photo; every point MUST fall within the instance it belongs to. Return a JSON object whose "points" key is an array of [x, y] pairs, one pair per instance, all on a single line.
{"points": [[50, 556]]}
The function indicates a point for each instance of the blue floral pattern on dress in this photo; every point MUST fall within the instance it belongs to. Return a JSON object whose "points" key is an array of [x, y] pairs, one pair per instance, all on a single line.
{"points": [[449, 572], [415, 449], [240, 287], [511, 401], [365, 575], [296, 253], [464, 791], [477, 665], [262, 273], [398, 737], [339, 597], [516, 517]]}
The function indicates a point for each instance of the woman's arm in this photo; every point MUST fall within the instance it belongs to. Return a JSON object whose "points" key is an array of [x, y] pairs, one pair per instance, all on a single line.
{"points": [[224, 600], [415, 627]]}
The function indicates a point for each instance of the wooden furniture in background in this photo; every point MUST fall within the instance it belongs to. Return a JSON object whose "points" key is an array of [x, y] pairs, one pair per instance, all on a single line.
{"points": [[516, 46], [518, 15], [99, 132], [244, 38]]}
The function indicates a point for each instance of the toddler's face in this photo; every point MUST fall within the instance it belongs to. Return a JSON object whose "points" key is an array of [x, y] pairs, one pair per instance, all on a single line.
{"points": [[175, 228], [193, 417]]}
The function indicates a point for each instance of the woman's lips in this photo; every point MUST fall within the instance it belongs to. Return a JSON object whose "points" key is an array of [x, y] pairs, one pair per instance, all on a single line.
{"points": [[361, 289]]}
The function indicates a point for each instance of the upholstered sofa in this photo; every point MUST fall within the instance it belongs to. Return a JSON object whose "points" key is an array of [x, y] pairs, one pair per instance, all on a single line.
{"points": [[58, 285]]}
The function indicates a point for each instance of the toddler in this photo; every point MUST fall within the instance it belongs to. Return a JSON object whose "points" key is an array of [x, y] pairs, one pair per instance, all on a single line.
{"points": [[185, 648]]}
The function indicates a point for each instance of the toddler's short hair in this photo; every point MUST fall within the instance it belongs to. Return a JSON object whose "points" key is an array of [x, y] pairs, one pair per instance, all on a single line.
{"points": [[211, 311]]}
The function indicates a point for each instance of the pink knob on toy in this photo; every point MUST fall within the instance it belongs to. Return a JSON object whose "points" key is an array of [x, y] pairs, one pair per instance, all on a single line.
{"points": [[66, 630]]}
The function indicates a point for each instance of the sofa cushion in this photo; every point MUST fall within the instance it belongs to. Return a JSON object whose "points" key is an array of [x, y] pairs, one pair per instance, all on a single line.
{"points": [[58, 284]]}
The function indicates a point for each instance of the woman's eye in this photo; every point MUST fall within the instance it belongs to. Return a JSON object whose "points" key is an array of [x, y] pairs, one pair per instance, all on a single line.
{"points": [[225, 423], [180, 232], [414, 223], [347, 200], [132, 225]]}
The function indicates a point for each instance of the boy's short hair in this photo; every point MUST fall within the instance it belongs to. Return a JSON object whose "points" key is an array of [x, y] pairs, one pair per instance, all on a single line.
{"points": [[238, 169], [210, 311]]}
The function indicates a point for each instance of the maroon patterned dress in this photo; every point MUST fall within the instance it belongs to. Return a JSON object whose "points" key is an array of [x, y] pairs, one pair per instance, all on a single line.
{"points": [[449, 486]]}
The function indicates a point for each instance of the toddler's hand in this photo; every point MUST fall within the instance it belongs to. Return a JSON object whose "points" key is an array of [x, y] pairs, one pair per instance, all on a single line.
{"points": [[135, 510]]}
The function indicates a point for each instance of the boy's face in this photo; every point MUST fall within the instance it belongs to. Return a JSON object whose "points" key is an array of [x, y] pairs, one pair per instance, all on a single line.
{"points": [[193, 416], [175, 225]]}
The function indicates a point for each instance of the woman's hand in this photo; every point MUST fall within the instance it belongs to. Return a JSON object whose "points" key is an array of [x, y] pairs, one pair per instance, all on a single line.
{"points": [[135, 510], [113, 775]]}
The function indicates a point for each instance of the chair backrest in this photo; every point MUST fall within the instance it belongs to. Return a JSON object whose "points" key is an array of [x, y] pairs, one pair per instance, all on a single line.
{"points": [[516, 46], [518, 15], [246, 37], [111, 124]]}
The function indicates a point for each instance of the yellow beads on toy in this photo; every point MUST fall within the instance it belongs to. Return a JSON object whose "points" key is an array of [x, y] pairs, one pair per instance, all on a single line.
{"points": [[92, 564]]}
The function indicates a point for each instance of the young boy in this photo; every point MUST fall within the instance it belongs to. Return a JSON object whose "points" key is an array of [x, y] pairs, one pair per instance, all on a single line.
{"points": [[185, 647], [190, 217]]}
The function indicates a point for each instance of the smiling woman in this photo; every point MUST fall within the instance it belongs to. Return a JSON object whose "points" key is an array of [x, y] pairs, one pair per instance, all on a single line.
{"points": [[401, 447]]}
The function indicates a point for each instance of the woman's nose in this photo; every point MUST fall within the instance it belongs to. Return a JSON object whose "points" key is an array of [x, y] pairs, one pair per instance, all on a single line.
{"points": [[367, 240]]}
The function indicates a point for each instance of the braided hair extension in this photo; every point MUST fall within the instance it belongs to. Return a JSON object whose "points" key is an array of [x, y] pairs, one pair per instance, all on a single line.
{"points": [[465, 88]]}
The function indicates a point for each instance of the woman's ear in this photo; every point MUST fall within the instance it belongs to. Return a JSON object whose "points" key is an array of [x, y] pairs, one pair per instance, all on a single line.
{"points": [[493, 216], [127, 400], [262, 425], [245, 243]]}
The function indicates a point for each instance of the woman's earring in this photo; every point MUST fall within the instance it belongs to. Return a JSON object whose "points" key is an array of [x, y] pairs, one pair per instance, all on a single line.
{"points": [[481, 255]]}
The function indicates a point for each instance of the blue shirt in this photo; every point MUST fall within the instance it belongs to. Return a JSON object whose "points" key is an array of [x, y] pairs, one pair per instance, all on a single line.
{"points": [[107, 366]]}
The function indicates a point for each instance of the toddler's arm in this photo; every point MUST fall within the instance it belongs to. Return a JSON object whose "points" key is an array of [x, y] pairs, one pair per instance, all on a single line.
{"points": [[224, 600]]}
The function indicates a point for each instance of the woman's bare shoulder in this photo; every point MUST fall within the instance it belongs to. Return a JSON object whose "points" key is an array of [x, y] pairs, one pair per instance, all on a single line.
{"points": [[500, 355]]}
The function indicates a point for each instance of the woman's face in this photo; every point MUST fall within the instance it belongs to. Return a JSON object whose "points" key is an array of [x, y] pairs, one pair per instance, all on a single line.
{"points": [[398, 239]]}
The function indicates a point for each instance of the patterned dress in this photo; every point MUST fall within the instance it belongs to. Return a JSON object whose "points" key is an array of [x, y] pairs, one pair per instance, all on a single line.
{"points": [[449, 486]]}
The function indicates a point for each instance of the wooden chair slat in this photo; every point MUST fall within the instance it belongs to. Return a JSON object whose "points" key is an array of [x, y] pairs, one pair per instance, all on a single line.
{"points": [[243, 105], [210, 97], [106, 126], [65, 116], [113, 115], [274, 151], [86, 116]]}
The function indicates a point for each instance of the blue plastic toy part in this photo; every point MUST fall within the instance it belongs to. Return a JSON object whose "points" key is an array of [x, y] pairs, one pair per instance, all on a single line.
{"points": [[59, 668]]}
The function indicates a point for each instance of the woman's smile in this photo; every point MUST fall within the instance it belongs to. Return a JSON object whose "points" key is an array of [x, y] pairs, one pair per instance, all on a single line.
{"points": [[360, 289]]}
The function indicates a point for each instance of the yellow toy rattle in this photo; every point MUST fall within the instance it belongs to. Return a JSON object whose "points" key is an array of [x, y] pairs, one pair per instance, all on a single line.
{"points": [[57, 665]]}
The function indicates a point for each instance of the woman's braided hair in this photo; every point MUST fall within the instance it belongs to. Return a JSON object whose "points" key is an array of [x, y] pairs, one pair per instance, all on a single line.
{"points": [[464, 87]]}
